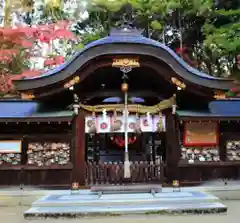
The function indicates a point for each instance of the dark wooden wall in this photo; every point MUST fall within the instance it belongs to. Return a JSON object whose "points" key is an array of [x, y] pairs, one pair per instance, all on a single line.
{"points": [[198, 172], [45, 176]]}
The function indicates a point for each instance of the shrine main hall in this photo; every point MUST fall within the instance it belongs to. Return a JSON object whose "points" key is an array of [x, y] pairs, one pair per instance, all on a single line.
{"points": [[74, 123]]}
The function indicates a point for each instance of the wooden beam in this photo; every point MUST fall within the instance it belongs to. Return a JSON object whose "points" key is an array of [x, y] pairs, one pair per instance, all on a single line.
{"points": [[208, 118], [37, 119]]}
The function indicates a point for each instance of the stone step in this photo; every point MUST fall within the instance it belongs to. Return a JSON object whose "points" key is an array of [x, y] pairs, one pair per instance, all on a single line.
{"points": [[78, 211], [128, 188], [126, 199]]}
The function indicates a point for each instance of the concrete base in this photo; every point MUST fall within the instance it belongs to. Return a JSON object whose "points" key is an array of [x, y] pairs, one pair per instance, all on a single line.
{"points": [[89, 203]]}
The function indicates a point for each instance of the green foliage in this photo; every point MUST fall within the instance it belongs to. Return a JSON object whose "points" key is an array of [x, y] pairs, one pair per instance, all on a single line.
{"points": [[156, 25], [223, 38], [209, 29], [197, 7], [103, 5]]}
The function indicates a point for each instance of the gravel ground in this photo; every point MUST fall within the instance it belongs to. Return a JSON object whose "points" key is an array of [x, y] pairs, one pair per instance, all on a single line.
{"points": [[15, 215]]}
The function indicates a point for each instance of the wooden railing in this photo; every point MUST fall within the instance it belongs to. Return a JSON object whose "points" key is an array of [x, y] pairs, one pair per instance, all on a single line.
{"points": [[113, 173]]}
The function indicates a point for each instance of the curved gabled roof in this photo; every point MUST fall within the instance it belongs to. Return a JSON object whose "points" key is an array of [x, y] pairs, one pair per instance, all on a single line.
{"points": [[116, 44]]}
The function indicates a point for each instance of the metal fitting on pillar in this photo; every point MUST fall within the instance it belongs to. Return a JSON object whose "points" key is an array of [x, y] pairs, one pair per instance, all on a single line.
{"points": [[174, 109], [76, 105], [76, 108]]}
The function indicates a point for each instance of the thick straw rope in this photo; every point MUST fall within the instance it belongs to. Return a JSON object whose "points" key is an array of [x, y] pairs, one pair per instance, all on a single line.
{"points": [[133, 108]]}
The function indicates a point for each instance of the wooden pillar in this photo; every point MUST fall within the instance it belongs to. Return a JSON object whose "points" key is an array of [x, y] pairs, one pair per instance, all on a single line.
{"points": [[222, 147], [221, 143], [78, 149], [172, 146]]}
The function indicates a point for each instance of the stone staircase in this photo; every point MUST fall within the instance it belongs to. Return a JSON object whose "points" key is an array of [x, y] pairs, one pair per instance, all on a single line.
{"points": [[91, 203]]}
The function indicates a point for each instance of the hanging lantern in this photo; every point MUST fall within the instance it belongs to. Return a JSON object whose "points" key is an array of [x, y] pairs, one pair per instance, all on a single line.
{"points": [[124, 87]]}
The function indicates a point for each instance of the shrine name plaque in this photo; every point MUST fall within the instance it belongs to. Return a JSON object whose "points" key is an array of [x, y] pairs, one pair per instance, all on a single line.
{"points": [[12, 146]]}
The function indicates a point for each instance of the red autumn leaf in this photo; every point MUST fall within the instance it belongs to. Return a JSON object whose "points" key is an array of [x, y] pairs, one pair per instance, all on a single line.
{"points": [[54, 61], [31, 73], [5, 83], [63, 24], [44, 37], [6, 55], [181, 50], [8, 31], [5, 59], [59, 60], [49, 62], [15, 39], [63, 34], [23, 43], [8, 52]]}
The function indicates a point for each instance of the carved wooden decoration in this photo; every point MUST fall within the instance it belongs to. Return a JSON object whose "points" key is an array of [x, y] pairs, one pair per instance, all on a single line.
{"points": [[27, 96], [72, 82], [220, 95], [178, 83], [126, 62]]}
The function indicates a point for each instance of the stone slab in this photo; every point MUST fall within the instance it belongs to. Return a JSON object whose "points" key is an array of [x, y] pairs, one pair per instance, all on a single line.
{"points": [[126, 199], [123, 210], [131, 188]]}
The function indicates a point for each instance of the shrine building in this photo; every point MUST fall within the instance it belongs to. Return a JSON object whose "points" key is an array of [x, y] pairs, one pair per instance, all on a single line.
{"points": [[70, 125]]}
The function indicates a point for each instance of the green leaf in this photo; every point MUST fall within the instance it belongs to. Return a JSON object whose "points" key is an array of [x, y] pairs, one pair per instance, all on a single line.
{"points": [[156, 25]]}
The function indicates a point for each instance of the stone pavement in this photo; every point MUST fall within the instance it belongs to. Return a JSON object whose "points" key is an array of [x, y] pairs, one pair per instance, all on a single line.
{"points": [[15, 215]]}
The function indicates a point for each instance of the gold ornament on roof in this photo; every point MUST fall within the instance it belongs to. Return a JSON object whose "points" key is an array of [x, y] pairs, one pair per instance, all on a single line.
{"points": [[72, 82], [178, 83], [27, 96], [126, 62], [219, 95]]}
